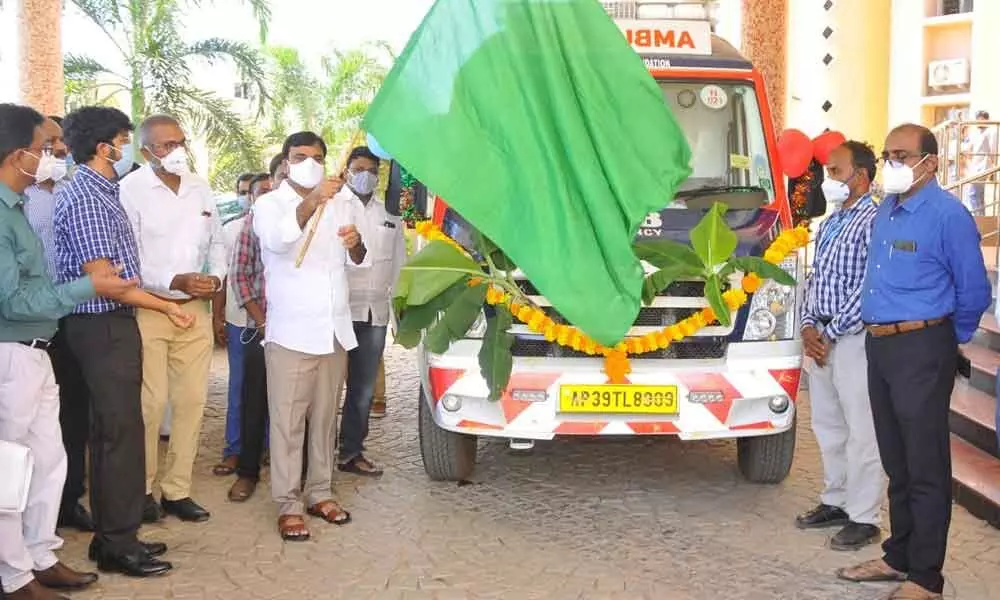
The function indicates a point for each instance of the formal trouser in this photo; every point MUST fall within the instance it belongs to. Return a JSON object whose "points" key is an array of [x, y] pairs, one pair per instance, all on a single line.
{"points": [[175, 367], [29, 415], [910, 379], [380, 381], [362, 371], [253, 415], [109, 351], [234, 351], [74, 418], [843, 425], [300, 387]]}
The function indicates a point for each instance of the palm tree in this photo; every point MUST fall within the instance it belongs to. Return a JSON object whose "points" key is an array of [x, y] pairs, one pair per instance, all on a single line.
{"points": [[353, 77], [157, 60]]}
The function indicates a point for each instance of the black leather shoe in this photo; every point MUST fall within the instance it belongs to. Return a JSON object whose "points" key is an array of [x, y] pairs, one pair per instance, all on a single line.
{"points": [[823, 515], [185, 509], [855, 536], [153, 549], [133, 564], [76, 517], [151, 512]]}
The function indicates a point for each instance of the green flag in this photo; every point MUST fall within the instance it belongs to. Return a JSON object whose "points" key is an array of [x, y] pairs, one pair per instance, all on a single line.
{"points": [[537, 122]]}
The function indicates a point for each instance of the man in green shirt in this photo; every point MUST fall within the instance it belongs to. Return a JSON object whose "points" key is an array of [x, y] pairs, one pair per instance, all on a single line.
{"points": [[30, 305]]}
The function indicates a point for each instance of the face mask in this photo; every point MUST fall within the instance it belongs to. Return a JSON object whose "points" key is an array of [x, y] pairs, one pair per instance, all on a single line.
{"points": [[835, 192], [363, 183], [49, 168], [124, 164], [244, 201], [897, 177], [175, 163], [307, 173]]}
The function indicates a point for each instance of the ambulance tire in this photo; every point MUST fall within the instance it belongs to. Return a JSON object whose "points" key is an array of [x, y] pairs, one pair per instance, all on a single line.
{"points": [[447, 456], [767, 458]]}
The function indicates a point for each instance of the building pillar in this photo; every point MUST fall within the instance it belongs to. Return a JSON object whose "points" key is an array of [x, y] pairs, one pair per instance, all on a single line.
{"points": [[765, 29], [40, 55], [839, 68]]}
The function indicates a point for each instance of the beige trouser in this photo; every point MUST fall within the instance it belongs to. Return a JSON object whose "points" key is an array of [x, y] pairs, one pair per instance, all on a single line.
{"points": [[380, 382], [300, 387], [175, 366]]}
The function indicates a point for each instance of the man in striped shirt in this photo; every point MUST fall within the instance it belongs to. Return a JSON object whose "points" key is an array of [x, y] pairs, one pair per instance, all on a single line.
{"points": [[834, 341]]}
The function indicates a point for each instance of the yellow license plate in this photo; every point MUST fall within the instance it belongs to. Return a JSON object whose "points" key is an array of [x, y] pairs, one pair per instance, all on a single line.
{"points": [[619, 399]]}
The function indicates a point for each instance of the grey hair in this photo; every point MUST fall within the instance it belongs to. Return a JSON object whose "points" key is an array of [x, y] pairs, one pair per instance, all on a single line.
{"points": [[153, 121]]}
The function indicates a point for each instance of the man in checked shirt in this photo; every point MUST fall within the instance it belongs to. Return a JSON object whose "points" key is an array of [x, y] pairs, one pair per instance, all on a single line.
{"points": [[834, 341]]}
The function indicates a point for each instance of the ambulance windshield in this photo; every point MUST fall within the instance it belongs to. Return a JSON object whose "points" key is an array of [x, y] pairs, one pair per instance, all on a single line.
{"points": [[723, 125]]}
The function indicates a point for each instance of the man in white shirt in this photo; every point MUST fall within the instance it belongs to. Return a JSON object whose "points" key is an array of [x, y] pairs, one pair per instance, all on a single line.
{"points": [[309, 329], [983, 148], [371, 292], [177, 228]]}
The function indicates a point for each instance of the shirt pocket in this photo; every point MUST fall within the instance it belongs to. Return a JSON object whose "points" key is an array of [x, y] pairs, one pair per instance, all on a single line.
{"points": [[905, 269], [385, 244]]}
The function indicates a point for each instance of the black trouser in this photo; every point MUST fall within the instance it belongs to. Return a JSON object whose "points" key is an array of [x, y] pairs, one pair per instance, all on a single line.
{"points": [[109, 351], [910, 379], [253, 409], [74, 418]]}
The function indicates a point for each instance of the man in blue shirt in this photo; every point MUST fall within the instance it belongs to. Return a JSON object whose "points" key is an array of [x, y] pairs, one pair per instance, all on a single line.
{"points": [[925, 291], [30, 305]]}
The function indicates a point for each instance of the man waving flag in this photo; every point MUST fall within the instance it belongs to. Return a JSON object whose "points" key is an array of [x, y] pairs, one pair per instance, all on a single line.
{"points": [[537, 122]]}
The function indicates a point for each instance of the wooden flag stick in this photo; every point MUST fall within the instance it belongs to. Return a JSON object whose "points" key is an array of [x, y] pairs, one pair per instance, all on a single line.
{"points": [[341, 167]]}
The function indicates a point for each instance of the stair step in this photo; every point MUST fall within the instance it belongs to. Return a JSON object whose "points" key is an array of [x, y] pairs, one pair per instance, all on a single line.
{"points": [[982, 358], [976, 480], [989, 323], [973, 416]]}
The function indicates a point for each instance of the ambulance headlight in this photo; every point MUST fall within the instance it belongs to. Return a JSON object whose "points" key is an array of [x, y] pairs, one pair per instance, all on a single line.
{"points": [[772, 309]]}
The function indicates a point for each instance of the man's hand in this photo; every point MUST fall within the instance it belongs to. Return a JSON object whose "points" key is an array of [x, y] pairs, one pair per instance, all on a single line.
{"points": [[195, 285], [177, 316], [219, 328], [815, 346], [108, 284], [320, 195], [349, 236]]}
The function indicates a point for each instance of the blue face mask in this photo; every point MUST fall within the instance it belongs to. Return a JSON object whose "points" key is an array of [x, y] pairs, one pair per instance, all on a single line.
{"points": [[244, 201], [123, 166]]}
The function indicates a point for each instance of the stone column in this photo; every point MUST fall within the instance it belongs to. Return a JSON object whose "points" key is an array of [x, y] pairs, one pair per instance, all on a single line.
{"points": [[40, 55], [765, 32]]}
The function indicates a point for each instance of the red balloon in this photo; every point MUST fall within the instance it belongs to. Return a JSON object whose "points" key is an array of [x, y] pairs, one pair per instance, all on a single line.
{"points": [[795, 152], [825, 144]]}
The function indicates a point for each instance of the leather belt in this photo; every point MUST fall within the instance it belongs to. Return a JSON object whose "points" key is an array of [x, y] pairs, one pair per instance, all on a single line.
{"points": [[902, 327], [38, 343]]}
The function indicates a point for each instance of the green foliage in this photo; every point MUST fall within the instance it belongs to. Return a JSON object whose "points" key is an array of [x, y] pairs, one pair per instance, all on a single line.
{"points": [[495, 359], [432, 271], [712, 239], [457, 319]]}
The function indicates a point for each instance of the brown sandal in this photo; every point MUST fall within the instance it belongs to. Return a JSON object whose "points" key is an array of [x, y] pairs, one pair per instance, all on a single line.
{"points": [[226, 467], [870, 571], [242, 489], [331, 512], [293, 528]]}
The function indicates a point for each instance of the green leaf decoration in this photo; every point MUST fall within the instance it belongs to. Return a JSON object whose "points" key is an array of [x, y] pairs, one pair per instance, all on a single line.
{"points": [[766, 270], [414, 319], [668, 253], [458, 317], [713, 293], [486, 247], [712, 239], [495, 360], [660, 279], [433, 270]]}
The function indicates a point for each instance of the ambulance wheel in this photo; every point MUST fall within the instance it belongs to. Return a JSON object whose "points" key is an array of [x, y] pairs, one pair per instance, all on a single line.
{"points": [[767, 458], [447, 456]]}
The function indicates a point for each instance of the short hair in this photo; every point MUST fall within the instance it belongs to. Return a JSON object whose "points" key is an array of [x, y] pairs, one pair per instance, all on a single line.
{"points": [[154, 121], [362, 152], [983, 115], [243, 177], [862, 157], [272, 169], [88, 127], [58, 120], [259, 177], [17, 128], [302, 138]]}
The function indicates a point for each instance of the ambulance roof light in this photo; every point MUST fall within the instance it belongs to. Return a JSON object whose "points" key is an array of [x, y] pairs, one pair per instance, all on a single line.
{"points": [[688, 10]]}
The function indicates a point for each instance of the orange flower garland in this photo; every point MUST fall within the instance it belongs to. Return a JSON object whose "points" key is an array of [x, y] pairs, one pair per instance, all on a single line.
{"points": [[616, 364]]}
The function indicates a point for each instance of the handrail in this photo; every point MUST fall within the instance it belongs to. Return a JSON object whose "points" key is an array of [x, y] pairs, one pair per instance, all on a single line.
{"points": [[972, 178]]}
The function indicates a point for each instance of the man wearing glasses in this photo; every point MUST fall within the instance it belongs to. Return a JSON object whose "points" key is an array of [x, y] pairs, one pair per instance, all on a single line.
{"points": [[183, 258], [924, 293]]}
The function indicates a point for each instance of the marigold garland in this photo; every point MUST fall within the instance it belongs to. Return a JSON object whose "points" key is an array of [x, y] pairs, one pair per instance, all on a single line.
{"points": [[616, 363]]}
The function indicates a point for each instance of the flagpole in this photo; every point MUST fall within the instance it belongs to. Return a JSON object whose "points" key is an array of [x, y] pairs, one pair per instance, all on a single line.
{"points": [[341, 166]]}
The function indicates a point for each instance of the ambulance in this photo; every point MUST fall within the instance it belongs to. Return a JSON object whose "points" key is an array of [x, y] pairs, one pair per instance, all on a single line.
{"points": [[738, 382]]}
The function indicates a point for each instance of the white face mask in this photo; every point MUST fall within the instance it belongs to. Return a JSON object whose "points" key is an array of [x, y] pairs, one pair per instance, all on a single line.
{"points": [[897, 177], [835, 192], [363, 183], [307, 173], [175, 163], [50, 168]]}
